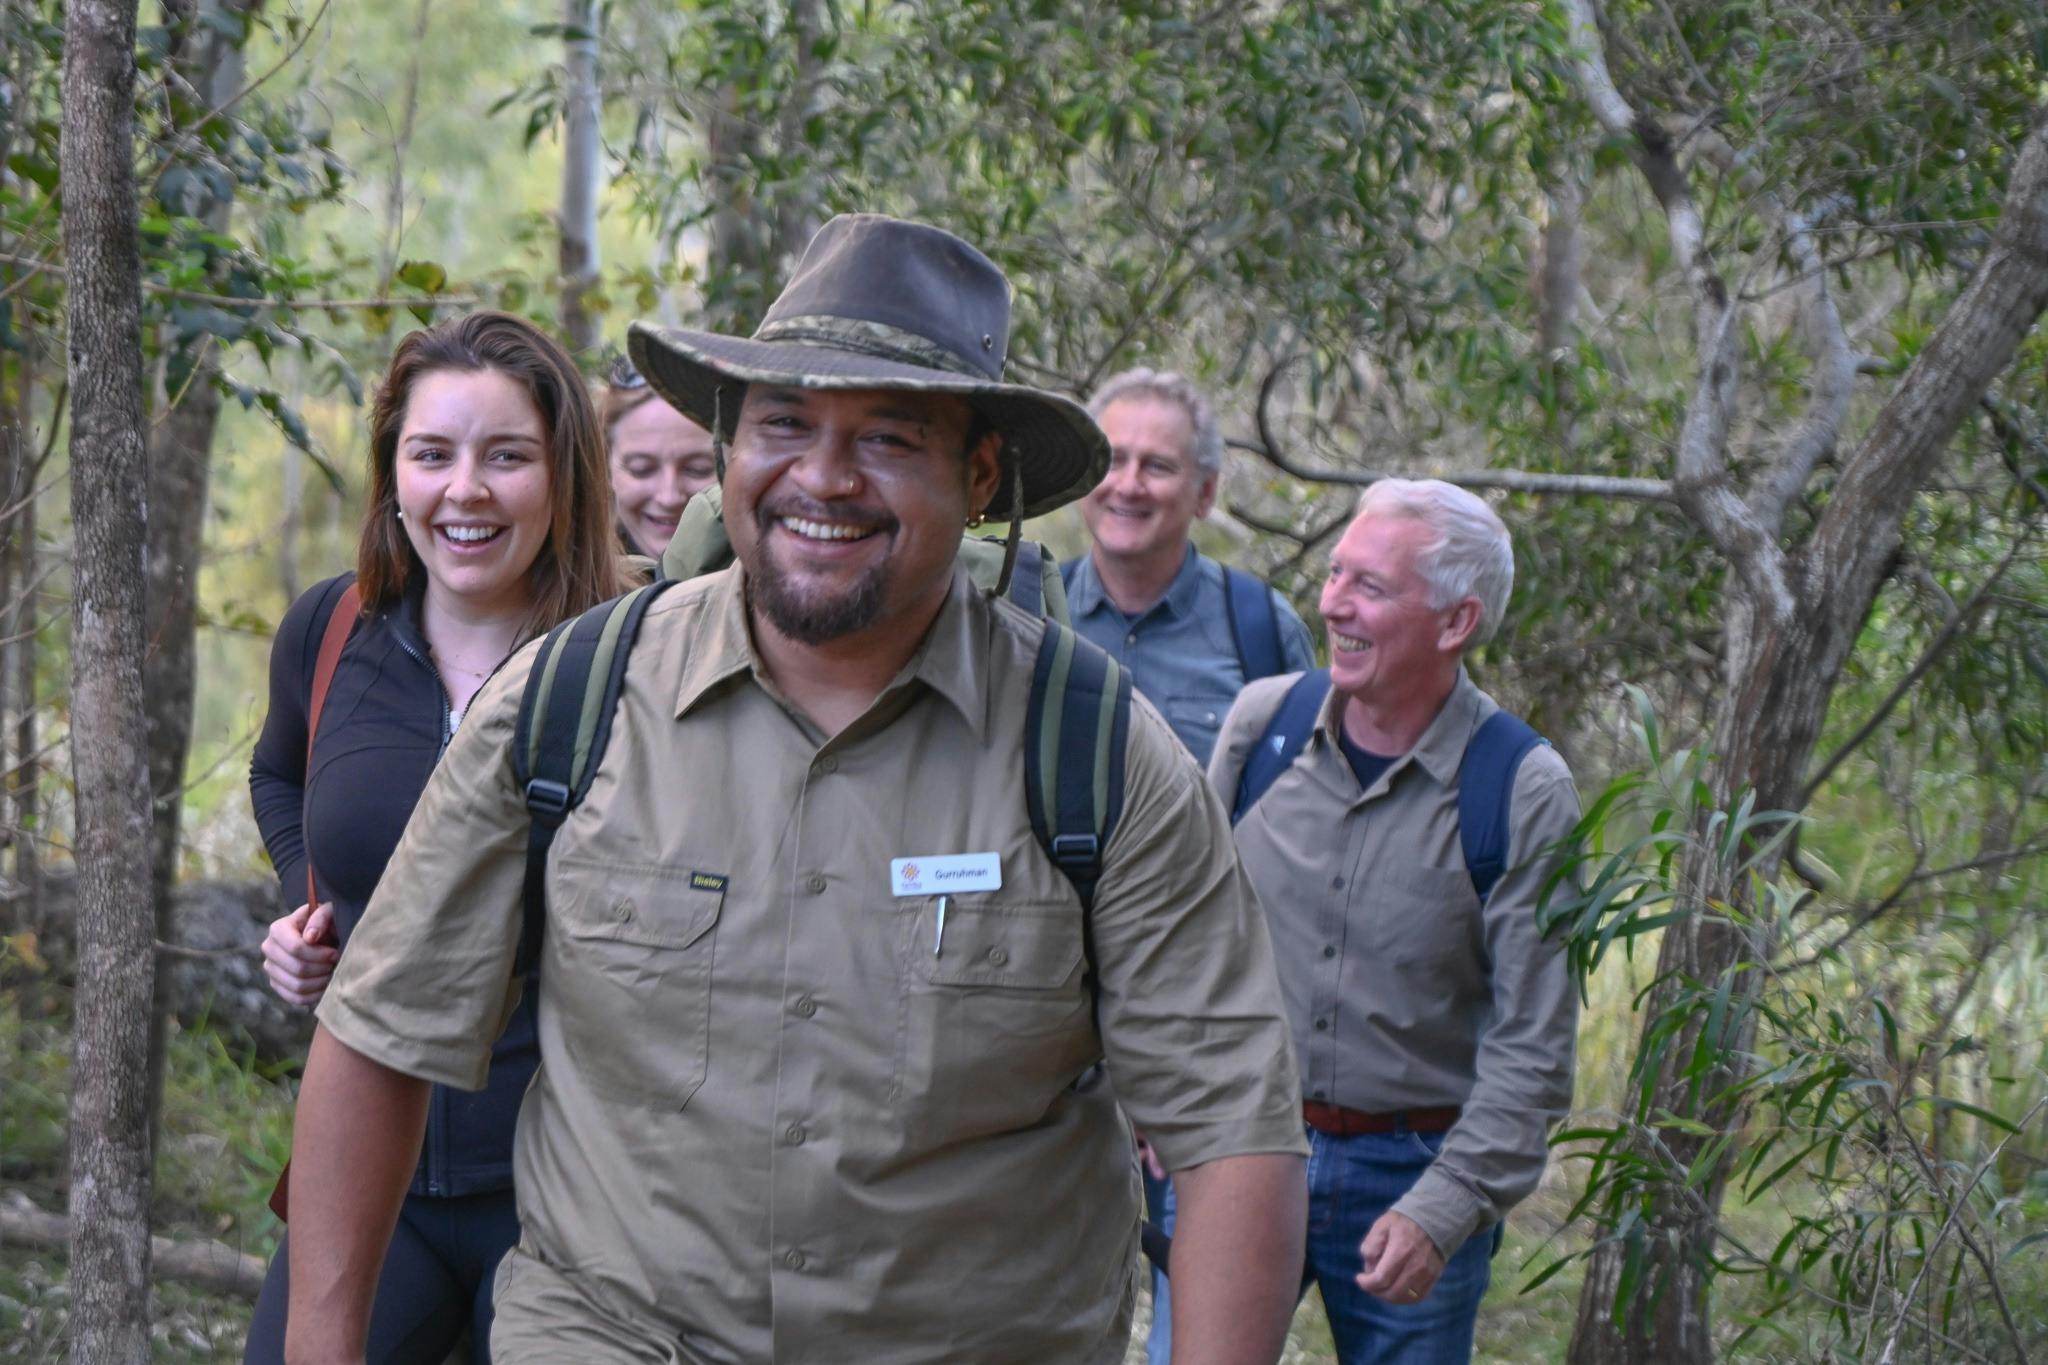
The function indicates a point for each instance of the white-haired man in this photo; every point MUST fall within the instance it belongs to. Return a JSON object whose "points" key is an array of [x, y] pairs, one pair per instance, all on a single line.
{"points": [[1400, 829]]}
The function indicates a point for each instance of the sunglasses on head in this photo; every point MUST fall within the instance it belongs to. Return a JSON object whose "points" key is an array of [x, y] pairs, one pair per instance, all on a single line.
{"points": [[624, 376]]}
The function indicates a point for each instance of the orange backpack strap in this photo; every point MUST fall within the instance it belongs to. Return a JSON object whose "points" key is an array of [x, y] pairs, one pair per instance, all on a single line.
{"points": [[341, 623]]}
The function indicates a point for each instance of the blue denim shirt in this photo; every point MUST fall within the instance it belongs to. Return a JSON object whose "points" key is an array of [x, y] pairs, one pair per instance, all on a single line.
{"points": [[1179, 651]]}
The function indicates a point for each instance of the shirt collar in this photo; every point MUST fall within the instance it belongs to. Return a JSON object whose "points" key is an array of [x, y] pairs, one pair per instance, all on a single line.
{"points": [[1181, 598], [952, 659], [1181, 595], [1441, 750]]}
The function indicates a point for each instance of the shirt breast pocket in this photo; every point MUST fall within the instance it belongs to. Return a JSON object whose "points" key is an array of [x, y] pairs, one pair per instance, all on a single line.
{"points": [[627, 976], [1197, 718], [997, 1020], [1427, 917]]}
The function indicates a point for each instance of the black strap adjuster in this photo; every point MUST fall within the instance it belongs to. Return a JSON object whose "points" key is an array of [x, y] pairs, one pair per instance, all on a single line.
{"points": [[547, 800], [1076, 850]]}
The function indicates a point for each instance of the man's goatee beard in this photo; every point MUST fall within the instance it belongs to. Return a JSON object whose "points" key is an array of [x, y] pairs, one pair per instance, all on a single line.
{"points": [[810, 620]]}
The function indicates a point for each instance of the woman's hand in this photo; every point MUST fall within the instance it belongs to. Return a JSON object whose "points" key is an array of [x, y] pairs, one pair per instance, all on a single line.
{"points": [[298, 956]]}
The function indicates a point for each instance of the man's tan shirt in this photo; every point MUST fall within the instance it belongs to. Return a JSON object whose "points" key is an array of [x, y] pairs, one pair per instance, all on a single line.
{"points": [[1403, 991], [781, 1114]]}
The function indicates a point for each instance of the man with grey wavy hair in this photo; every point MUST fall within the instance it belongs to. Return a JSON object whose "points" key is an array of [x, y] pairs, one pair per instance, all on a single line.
{"points": [[1400, 829], [1192, 631]]}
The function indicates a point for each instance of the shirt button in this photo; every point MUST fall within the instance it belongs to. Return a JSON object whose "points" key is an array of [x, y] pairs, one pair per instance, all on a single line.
{"points": [[1132, 638], [1337, 883], [793, 1258], [796, 1135], [805, 1006], [815, 883], [828, 765], [999, 955], [622, 910], [1329, 950], [1322, 1026]]}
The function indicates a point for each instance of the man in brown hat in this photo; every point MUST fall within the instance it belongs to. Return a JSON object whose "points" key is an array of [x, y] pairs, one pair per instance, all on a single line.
{"points": [[791, 1105]]}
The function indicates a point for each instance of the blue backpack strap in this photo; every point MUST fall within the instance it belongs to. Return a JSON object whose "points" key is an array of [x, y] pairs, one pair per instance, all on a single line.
{"points": [[565, 721], [1282, 741], [1027, 577], [1254, 625], [1486, 786], [1074, 739]]}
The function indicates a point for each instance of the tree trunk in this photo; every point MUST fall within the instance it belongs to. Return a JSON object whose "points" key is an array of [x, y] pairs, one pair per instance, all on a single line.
{"points": [[1782, 663], [180, 465], [110, 1177], [581, 171]]}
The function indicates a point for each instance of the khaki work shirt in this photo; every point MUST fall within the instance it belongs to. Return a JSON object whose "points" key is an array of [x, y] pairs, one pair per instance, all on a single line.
{"points": [[1403, 992], [778, 1117]]}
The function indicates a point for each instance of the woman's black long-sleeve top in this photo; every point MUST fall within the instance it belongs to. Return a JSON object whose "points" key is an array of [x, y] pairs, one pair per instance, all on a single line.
{"points": [[385, 723]]}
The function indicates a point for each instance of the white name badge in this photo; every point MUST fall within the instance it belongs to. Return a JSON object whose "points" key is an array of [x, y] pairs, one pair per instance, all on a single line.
{"points": [[944, 874]]}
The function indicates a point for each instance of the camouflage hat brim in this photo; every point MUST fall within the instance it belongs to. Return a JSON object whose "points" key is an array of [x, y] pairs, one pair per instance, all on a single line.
{"points": [[1051, 439]]}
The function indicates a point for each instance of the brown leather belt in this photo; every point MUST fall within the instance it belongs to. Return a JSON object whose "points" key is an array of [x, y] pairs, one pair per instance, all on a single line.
{"points": [[1338, 1121]]}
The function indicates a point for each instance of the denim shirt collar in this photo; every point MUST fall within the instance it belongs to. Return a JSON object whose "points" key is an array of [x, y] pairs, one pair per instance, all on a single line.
{"points": [[1182, 595]]}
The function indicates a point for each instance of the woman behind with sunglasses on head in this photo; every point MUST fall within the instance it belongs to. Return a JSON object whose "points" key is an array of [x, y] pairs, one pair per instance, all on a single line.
{"points": [[660, 459], [489, 521]]}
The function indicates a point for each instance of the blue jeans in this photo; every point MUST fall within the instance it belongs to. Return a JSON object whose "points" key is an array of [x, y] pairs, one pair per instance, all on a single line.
{"points": [[1159, 1208], [1351, 1182]]}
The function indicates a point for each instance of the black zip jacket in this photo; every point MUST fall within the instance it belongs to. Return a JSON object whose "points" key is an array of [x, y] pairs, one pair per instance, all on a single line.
{"points": [[383, 729]]}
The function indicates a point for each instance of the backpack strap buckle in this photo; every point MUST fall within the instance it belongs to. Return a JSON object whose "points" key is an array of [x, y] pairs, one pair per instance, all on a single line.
{"points": [[547, 800], [1076, 850]]}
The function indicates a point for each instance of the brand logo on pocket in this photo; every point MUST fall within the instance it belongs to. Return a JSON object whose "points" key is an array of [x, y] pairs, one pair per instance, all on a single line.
{"points": [[706, 881]]}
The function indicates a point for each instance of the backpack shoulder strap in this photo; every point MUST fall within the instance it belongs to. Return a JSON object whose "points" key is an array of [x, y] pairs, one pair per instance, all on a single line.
{"points": [[341, 623], [1486, 785], [1074, 738], [1254, 624], [1027, 577], [565, 721], [1282, 741]]}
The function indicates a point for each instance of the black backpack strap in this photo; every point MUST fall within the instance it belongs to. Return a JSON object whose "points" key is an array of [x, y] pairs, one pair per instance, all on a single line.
{"points": [[1486, 787], [565, 721], [1282, 741], [1254, 624], [1027, 578], [1074, 739]]}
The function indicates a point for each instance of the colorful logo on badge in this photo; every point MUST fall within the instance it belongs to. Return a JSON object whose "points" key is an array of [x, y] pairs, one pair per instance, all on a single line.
{"points": [[909, 873]]}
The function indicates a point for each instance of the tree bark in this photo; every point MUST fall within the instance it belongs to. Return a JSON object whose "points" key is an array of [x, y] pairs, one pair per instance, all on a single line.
{"points": [[109, 1168], [180, 466], [581, 171], [1781, 671]]}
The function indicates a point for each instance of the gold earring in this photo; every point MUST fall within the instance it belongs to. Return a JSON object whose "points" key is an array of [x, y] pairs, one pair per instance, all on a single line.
{"points": [[974, 521]]}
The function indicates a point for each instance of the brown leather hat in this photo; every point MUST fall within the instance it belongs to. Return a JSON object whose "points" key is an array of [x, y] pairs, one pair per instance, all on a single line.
{"points": [[879, 303]]}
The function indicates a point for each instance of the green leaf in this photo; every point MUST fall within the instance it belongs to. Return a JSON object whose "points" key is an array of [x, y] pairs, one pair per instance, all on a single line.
{"points": [[426, 276]]}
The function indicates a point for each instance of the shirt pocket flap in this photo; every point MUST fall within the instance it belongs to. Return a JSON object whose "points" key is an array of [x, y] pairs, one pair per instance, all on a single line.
{"points": [[1023, 946], [653, 906]]}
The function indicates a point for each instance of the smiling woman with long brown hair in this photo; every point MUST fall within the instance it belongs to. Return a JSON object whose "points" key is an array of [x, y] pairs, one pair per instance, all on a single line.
{"points": [[489, 520]]}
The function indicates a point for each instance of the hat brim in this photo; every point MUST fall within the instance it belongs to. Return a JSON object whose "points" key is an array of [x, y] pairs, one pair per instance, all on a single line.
{"points": [[1050, 438]]}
